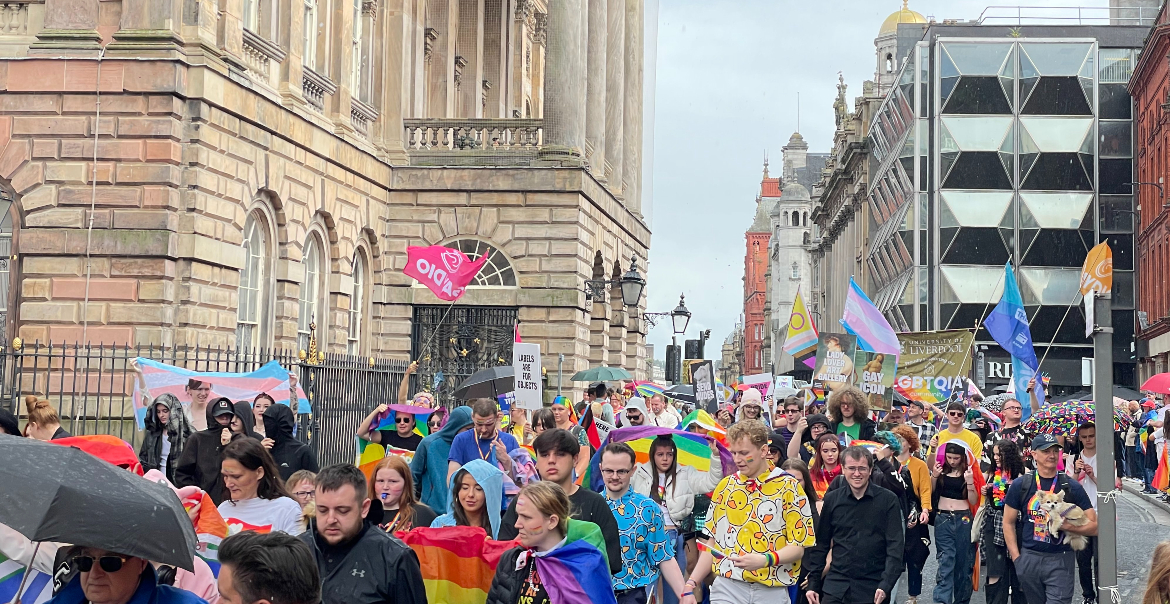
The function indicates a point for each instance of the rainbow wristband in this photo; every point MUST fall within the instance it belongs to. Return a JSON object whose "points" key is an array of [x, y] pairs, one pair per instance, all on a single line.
{"points": [[773, 558]]}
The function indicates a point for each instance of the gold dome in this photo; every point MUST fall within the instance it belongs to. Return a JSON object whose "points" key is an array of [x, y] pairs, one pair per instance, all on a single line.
{"points": [[890, 25]]}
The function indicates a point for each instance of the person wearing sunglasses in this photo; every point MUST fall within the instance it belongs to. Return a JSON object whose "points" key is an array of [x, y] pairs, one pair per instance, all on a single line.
{"points": [[956, 415], [402, 436], [106, 577]]}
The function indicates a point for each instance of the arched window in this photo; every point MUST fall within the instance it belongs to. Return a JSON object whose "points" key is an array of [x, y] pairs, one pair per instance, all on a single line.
{"points": [[785, 217], [310, 34], [357, 303], [795, 270], [805, 219], [796, 219], [5, 254], [889, 63], [254, 316], [497, 271], [312, 290]]}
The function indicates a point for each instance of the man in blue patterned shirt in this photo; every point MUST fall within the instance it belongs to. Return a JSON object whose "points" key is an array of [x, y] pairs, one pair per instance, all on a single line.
{"points": [[646, 550]]}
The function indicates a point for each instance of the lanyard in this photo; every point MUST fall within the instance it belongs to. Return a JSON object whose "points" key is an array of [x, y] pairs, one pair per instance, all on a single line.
{"points": [[1055, 481]]}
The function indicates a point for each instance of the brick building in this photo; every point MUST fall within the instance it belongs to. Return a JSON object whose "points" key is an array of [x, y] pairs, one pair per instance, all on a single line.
{"points": [[187, 172], [755, 278]]}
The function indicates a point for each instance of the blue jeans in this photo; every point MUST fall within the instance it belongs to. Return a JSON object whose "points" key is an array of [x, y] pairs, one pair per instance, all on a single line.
{"points": [[680, 556], [956, 560]]}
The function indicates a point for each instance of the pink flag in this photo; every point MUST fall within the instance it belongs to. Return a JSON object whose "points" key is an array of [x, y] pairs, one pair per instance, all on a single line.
{"points": [[444, 270]]}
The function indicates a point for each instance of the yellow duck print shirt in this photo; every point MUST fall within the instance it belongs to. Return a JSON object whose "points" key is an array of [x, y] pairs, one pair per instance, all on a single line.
{"points": [[757, 516]]}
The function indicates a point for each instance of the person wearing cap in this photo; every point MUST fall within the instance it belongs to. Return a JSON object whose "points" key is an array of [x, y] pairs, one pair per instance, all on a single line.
{"points": [[808, 430], [926, 431], [776, 449], [895, 417], [1044, 564], [199, 465]]}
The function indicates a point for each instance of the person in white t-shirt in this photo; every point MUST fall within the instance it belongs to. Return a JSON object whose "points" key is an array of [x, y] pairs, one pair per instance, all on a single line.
{"points": [[257, 499], [1082, 467]]}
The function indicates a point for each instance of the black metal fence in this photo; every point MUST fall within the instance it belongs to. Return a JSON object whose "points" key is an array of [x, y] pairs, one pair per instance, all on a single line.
{"points": [[92, 386]]}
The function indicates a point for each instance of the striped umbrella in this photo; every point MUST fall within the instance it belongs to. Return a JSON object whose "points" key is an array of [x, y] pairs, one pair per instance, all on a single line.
{"points": [[648, 389], [1062, 419]]}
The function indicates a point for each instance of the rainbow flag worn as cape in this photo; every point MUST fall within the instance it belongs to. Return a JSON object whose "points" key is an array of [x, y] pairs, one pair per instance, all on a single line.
{"points": [[458, 562], [421, 415], [576, 573], [161, 378], [693, 451], [38, 589], [368, 456]]}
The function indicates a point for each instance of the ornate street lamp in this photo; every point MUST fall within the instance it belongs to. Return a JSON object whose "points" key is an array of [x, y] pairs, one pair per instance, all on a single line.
{"points": [[630, 285], [680, 316]]}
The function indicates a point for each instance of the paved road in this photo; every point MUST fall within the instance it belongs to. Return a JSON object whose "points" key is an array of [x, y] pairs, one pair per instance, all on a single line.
{"points": [[1141, 525]]}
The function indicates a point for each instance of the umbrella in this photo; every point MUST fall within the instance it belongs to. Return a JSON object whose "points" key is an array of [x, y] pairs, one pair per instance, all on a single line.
{"points": [[1159, 383], [1062, 419], [68, 495], [1118, 392], [602, 374], [682, 392], [1003, 388], [783, 392], [487, 383], [647, 389]]}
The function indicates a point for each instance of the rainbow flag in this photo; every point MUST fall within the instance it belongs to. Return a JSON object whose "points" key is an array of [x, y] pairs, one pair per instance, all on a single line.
{"points": [[368, 456], [1162, 474], [458, 562], [421, 415], [693, 451], [161, 378], [210, 528], [648, 389], [706, 422], [802, 333], [38, 589]]}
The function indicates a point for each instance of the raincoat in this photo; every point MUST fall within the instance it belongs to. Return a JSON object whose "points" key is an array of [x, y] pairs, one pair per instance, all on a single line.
{"points": [[177, 431], [491, 480], [429, 466], [199, 465]]}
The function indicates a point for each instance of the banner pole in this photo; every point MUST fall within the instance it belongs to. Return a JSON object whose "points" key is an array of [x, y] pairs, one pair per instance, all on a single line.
{"points": [[436, 330]]}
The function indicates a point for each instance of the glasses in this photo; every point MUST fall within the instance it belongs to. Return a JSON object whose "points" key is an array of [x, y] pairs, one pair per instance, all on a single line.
{"points": [[110, 564], [490, 424], [791, 411], [634, 418], [956, 413], [618, 473], [304, 494], [856, 469], [1013, 408], [404, 420]]}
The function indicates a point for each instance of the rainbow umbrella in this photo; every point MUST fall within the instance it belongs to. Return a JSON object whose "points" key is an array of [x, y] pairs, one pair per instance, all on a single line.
{"points": [[648, 389], [1062, 419]]}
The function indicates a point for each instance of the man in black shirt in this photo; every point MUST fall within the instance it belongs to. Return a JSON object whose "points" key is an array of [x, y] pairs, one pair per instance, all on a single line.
{"points": [[863, 525], [401, 437], [556, 454]]}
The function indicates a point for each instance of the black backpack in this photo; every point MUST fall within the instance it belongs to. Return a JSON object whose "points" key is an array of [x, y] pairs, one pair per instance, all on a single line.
{"points": [[1062, 482]]}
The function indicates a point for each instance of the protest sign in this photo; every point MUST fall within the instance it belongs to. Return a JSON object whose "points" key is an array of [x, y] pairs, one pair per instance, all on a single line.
{"points": [[834, 366], [763, 383], [876, 377], [703, 378], [526, 364], [785, 381], [933, 364]]}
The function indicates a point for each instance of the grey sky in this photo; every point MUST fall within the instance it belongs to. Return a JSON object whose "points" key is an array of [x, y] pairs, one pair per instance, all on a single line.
{"points": [[727, 76]]}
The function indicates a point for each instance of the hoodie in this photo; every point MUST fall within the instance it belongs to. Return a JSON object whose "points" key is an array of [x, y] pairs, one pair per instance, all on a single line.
{"points": [[491, 480], [635, 402], [176, 432], [806, 448], [290, 454], [244, 412], [429, 466], [199, 464]]}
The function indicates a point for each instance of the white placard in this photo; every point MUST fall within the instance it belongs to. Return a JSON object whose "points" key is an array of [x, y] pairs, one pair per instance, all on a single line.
{"points": [[526, 364], [603, 429]]}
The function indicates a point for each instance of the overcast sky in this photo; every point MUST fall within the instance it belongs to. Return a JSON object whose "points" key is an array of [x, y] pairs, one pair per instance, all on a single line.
{"points": [[727, 76]]}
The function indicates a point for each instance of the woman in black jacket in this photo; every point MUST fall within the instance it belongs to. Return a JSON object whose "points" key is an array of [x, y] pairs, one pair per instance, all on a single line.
{"points": [[244, 422], [200, 462], [167, 431], [290, 454]]}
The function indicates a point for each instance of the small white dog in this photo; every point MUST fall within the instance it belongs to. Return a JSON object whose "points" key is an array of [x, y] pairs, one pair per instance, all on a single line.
{"points": [[1059, 513]]}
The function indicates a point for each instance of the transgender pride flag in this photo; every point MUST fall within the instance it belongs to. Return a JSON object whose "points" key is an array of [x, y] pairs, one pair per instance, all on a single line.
{"points": [[864, 320], [161, 378]]}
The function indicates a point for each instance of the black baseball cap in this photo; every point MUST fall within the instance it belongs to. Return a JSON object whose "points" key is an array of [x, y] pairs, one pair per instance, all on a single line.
{"points": [[222, 407], [917, 404], [1044, 441]]}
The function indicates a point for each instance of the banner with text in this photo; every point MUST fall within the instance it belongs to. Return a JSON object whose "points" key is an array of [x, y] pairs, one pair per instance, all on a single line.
{"points": [[876, 377], [933, 364], [834, 366], [703, 379], [526, 364]]}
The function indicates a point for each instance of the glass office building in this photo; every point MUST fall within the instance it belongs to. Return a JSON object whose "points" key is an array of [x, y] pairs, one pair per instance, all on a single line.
{"points": [[1003, 145]]}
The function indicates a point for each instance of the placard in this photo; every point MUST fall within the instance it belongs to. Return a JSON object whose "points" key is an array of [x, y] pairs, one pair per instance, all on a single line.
{"points": [[763, 383], [875, 371], [834, 366], [933, 364], [526, 364], [703, 378]]}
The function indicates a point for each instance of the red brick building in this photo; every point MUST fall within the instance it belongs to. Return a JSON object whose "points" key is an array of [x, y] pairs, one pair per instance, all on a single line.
{"points": [[755, 277], [1149, 86]]}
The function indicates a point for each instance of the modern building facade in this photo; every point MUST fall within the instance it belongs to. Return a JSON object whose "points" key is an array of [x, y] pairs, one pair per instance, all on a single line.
{"points": [[186, 173], [1007, 144], [1149, 86]]}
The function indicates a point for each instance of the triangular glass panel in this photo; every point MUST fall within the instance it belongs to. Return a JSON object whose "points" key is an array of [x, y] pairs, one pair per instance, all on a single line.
{"points": [[947, 66], [1026, 87], [1008, 236], [1027, 69], [978, 133], [1087, 222], [946, 160], [978, 170], [946, 237], [1027, 160], [978, 58], [980, 95], [1027, 238], [1057, 172], [975, 208], [1054, 210], [1060, 59], [1027, 145], [1008, 69], [1087, 88], [1008, 144], [1009, 217], [1005, 84], [1087, 164], [1006, 160], [1027, 221], [947, 143], [946, 313], [1087, 144], [1057, 95], [946, 86], [1088, 71], [1055, 134]]}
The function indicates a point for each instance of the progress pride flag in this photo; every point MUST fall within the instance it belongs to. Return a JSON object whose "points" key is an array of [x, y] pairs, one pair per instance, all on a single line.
{"points": [[444, 270]]}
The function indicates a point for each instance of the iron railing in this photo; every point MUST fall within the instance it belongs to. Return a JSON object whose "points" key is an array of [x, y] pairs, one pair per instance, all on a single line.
{"points": [[91, 386]]}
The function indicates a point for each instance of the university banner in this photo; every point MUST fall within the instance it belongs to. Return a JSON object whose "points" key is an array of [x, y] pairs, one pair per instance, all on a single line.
{"points": [[875, 377], [835, 364], [933, 364]]}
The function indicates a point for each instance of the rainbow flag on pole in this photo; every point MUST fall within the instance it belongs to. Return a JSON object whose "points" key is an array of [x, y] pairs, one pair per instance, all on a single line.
{"points": [[802, 334]]}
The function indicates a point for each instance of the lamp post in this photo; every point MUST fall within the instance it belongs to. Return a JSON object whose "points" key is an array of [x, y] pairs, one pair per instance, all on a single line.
{"points": [[679, 318], [630, 285]]}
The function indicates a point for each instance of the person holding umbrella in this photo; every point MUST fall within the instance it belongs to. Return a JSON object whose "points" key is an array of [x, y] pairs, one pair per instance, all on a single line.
{"points": [[110, 578]]}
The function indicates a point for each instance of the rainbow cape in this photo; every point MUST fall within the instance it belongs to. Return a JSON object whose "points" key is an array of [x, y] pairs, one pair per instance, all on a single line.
{"points": [[38, 589], [704, 420], [210, 528], [576, 573], [161, 378], [458, 562], [1162, 475], [368, 456], [693, 451], [421, 415]]}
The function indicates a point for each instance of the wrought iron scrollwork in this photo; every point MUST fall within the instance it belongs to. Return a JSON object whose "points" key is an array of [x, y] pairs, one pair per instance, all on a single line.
{"points": [[472, 338]]}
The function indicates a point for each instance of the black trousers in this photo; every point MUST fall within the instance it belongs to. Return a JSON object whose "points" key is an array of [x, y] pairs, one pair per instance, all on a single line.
{"points": [[1087, 569]]}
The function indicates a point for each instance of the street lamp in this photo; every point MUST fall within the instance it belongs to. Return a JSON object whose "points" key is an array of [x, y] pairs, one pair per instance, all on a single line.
{"points": [[630, 285], [680, 316]]}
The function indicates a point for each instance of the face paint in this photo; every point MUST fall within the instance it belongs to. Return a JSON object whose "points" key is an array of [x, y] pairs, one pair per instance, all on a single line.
{"points": [[750, 459]]}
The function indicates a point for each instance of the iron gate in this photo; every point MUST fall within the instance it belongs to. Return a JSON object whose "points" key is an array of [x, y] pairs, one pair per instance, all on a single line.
{"points": [[450, 350]]}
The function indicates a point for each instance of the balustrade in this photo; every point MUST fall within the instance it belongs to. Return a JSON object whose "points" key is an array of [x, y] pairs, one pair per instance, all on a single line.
{"points": [[473, 134]]}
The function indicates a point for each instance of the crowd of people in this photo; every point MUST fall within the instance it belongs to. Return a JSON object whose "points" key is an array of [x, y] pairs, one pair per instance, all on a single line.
{"points": [[822, 504]]}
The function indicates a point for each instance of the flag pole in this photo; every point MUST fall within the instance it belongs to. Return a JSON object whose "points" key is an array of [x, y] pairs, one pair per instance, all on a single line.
{"points": [[1058, 326], [436, 330]]}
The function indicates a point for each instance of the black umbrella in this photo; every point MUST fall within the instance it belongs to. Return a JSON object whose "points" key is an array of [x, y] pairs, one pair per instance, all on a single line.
{"points": [[487, 383], [681, 392], [57, 493]]}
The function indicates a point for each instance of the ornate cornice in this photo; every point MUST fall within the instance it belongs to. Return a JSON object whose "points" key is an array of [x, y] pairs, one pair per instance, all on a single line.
{"points": [[540, 28]]}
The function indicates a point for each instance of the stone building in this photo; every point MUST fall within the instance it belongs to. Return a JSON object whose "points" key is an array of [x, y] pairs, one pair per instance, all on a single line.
{"points": [[196, 173], [732, 356]]}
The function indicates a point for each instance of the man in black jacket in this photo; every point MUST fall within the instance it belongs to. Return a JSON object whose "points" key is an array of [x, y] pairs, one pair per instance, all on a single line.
{"points": [[290, 454], [199, 464], [358, 562], [863, 525]]}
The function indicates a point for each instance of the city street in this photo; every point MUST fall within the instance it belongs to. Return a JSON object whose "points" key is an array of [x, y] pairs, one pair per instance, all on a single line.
{"points": [[1141, 524]]}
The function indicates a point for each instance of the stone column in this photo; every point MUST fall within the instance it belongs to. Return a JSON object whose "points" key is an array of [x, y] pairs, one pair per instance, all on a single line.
{"points": [[147, 26], [564, 83], [395, 81], [470, 47], [70, 25], [495, 57], [632, 131], [615, 85], [442, 26], [595, 87]]}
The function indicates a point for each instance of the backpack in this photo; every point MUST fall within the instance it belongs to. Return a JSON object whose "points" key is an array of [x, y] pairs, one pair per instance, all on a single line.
{"points": [[1062, 486]]}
